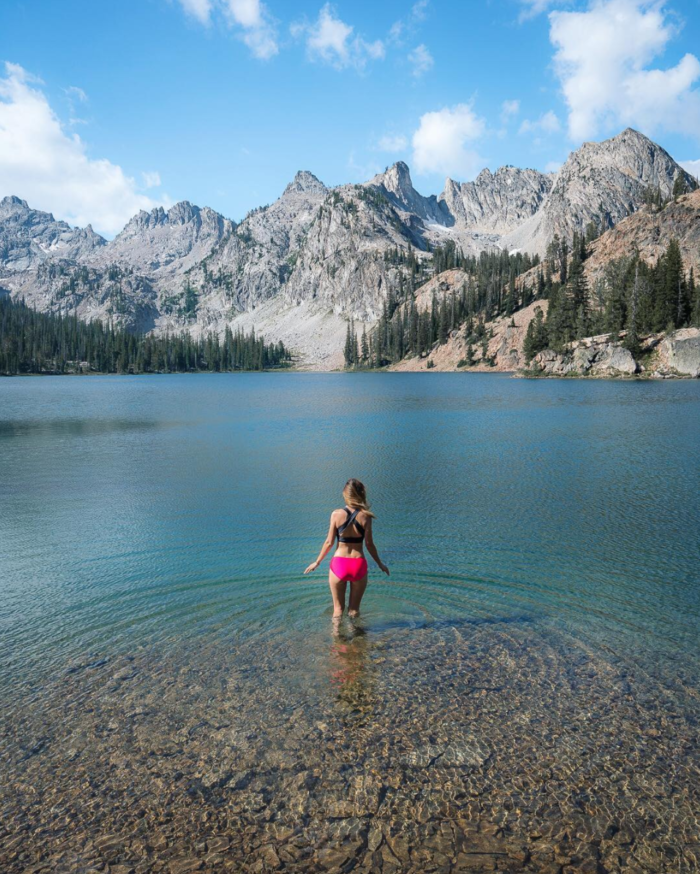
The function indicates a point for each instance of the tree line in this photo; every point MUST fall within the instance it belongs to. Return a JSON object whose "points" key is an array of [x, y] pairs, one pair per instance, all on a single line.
{"points": [[490, 289], [32, 342], [632, 296]]}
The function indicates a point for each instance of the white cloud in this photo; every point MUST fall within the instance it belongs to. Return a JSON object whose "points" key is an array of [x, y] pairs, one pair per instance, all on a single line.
{"points": [[50, 168], [404, 28], [419, 10], [602, 60], [552, 167], [258, 31], [440, 143], [151, 179], [251, 17], [509, 108], [548, 123], [76, 93], [421, 60], [392, 143], [693, 167], [531, 8], [329, 39], [199, 9]]}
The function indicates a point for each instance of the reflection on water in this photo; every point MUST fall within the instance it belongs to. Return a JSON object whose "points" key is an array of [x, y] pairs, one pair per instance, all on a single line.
{"points": [[351, 670], [521, 694]]}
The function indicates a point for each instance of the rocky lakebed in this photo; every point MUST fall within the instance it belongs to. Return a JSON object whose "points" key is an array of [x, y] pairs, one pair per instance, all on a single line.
{"points": [[500, 745]]}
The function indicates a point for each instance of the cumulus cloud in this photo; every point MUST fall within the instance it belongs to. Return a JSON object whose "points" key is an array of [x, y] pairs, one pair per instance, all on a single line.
{"points": [[258, 31], [693, 167], [329, 39], [547, 123], [255, 27], [441, 143], [602, 59], [421, 60], [49, 167], [199, 9], [392, 143], [509, 108]]}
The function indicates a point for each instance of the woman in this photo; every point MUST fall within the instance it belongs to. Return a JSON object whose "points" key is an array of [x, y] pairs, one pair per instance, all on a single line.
{"points": [[351, 526]]}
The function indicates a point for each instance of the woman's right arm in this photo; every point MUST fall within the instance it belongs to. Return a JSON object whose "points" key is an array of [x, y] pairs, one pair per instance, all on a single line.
{"points": [[326, 548], [371, 548]]}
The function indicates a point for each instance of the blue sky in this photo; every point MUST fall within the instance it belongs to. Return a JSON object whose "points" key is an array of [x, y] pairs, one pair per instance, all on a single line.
{"points": [[106, 108]]}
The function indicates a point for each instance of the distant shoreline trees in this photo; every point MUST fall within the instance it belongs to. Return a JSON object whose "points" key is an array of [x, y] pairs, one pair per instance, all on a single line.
{"points": [[41, 343]]}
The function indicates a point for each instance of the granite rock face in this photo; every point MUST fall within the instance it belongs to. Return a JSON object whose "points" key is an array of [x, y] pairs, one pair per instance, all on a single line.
{"points": [[29, 237], [679, 353], [593, 356], [166, 243], [496, 202]]}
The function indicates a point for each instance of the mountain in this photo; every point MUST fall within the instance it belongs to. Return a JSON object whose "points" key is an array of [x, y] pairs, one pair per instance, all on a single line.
{"points": [[28, 237], [600, 182], [300, 268], [496, 202], [166, 243]]}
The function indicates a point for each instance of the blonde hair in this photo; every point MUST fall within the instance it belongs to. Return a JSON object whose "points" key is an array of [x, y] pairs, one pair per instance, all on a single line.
{"points": [[356, 496]]}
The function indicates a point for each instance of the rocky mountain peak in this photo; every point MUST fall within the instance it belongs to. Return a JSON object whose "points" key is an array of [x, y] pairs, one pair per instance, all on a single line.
{"points": [[170, 240], [496, 202], [396, 184], [11, 202], [28, 237], [396, 180], [305, 183]]}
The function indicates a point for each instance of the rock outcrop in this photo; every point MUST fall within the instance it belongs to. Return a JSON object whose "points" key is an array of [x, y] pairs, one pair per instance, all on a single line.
{"points": [[678, 354], [592, 356], [649, 231], [661, 356]]}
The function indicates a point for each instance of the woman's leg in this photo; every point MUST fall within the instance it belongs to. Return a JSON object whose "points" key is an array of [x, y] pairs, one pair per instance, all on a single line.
{"points": [[338, 593], [357, 590]]}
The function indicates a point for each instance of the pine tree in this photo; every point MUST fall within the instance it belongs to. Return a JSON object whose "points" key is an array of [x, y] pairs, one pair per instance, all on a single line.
{"points": [[669, 288], [536, 336], [632, 336], [694, 295]]}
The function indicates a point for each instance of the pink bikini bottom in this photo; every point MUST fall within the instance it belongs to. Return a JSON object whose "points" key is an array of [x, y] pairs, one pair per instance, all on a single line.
{"points": [[350, 570]]}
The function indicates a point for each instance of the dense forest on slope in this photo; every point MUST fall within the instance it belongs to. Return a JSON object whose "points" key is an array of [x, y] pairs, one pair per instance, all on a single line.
{"points": [[490, 288], [32, 342], [632, 296]]}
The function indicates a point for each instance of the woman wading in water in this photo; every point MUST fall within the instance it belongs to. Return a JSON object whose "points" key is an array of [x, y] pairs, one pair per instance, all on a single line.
{"points": [[352, 525]]}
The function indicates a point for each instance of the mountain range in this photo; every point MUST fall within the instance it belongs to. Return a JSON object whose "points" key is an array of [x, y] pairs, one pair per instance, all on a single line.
{"points": [[298, 269]]}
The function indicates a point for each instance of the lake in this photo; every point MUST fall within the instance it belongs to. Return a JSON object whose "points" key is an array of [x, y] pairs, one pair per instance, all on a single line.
{"points": [[522, 694]]}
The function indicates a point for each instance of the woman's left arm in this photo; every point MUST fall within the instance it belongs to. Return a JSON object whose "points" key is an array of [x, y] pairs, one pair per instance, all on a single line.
{"points": [[325, 549]]}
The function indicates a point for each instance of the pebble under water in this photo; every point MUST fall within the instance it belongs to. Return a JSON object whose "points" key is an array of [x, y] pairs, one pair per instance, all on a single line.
{"points": [[521, 695]]}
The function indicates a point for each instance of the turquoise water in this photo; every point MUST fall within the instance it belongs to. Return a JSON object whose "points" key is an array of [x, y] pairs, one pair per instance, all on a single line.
{"points": [[521, 695], [150, 509]]}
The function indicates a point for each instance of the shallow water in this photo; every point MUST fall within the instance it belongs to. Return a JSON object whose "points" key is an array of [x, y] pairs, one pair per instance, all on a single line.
{"points": [[521, 694]]}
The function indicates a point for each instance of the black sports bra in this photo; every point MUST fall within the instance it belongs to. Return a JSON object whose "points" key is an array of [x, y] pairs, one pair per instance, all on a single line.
{"points": [[352, 517]]}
